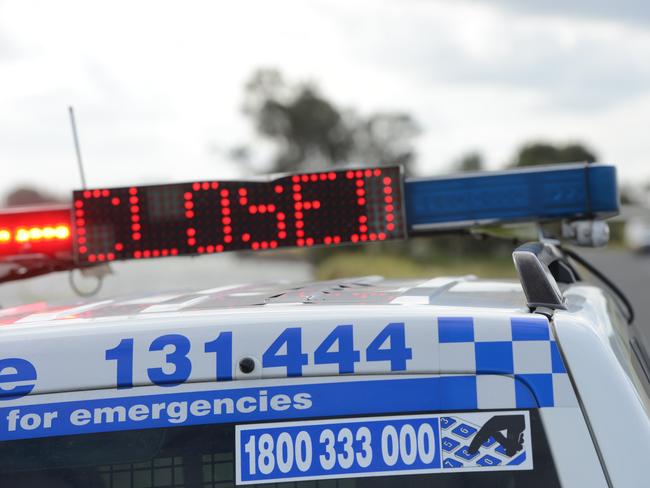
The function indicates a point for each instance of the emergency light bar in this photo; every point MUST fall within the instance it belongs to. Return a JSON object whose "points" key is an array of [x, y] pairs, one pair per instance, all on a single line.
{"points": [[299, 210], [569, 191], [36, 230]]}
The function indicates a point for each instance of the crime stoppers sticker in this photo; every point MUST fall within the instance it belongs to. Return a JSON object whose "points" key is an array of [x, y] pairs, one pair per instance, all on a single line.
{"points": [[383, 446]]}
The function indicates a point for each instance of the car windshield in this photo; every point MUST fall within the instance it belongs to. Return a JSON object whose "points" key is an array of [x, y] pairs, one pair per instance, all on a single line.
{"points": [[205, 457]]}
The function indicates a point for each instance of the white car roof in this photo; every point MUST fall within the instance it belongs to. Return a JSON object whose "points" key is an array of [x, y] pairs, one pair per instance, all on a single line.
{"points": [[64, 342], [466, 292]]}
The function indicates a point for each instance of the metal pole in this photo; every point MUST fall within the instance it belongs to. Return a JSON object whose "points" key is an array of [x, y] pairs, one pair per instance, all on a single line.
{"points": [[76, 147]]}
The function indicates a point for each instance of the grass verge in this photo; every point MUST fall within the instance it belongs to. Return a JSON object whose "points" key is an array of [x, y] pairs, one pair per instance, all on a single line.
{"points": [[392, 266]]}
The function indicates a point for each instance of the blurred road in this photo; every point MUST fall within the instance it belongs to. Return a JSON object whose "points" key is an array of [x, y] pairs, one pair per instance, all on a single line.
{"points": [[631, 272], [157, 275]]}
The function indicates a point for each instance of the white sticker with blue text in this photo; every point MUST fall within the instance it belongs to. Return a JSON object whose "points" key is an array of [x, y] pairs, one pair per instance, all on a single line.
{"points": [[383, 446]]}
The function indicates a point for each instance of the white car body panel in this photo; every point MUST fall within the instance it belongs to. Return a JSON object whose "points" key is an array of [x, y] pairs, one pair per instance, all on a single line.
{"points": [[616, 409], [67, 346]]}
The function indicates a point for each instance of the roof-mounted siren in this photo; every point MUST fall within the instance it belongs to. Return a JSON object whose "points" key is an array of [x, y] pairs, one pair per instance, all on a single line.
{"points": [[578, 194]]}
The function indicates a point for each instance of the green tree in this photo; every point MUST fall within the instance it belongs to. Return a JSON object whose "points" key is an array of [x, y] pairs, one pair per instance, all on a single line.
{"points": [[543, 153], [25, 195], [472, 161], [578, 152], [308, 130]]}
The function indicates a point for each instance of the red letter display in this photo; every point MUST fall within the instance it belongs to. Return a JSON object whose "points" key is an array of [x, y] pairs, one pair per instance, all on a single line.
{"points": [[304, 210]]}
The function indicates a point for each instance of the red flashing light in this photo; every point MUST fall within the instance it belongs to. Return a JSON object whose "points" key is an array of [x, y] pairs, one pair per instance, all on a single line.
{"points": [[47, 233], [37, 231]]}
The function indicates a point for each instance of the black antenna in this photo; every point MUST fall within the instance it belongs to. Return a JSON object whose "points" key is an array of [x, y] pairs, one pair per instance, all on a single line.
{"points": [[76, 146], [96, 271]]}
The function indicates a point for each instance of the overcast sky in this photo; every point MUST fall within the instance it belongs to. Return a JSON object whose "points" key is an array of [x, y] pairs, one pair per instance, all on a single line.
{"points": [[157, 86]]}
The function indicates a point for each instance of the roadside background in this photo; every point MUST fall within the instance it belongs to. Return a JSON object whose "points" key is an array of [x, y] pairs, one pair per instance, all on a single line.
{"points": [[167, 92]]}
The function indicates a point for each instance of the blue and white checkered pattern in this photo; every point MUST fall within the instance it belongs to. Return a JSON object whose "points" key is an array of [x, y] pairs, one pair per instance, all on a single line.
{"points": [[522, 348]]}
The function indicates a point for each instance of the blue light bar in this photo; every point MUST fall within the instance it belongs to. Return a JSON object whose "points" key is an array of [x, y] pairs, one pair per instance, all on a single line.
{"points": [[571, 191]]}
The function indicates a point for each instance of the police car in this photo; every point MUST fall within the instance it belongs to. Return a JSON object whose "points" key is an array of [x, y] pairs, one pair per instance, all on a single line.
{"points": [[448, 382]]}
